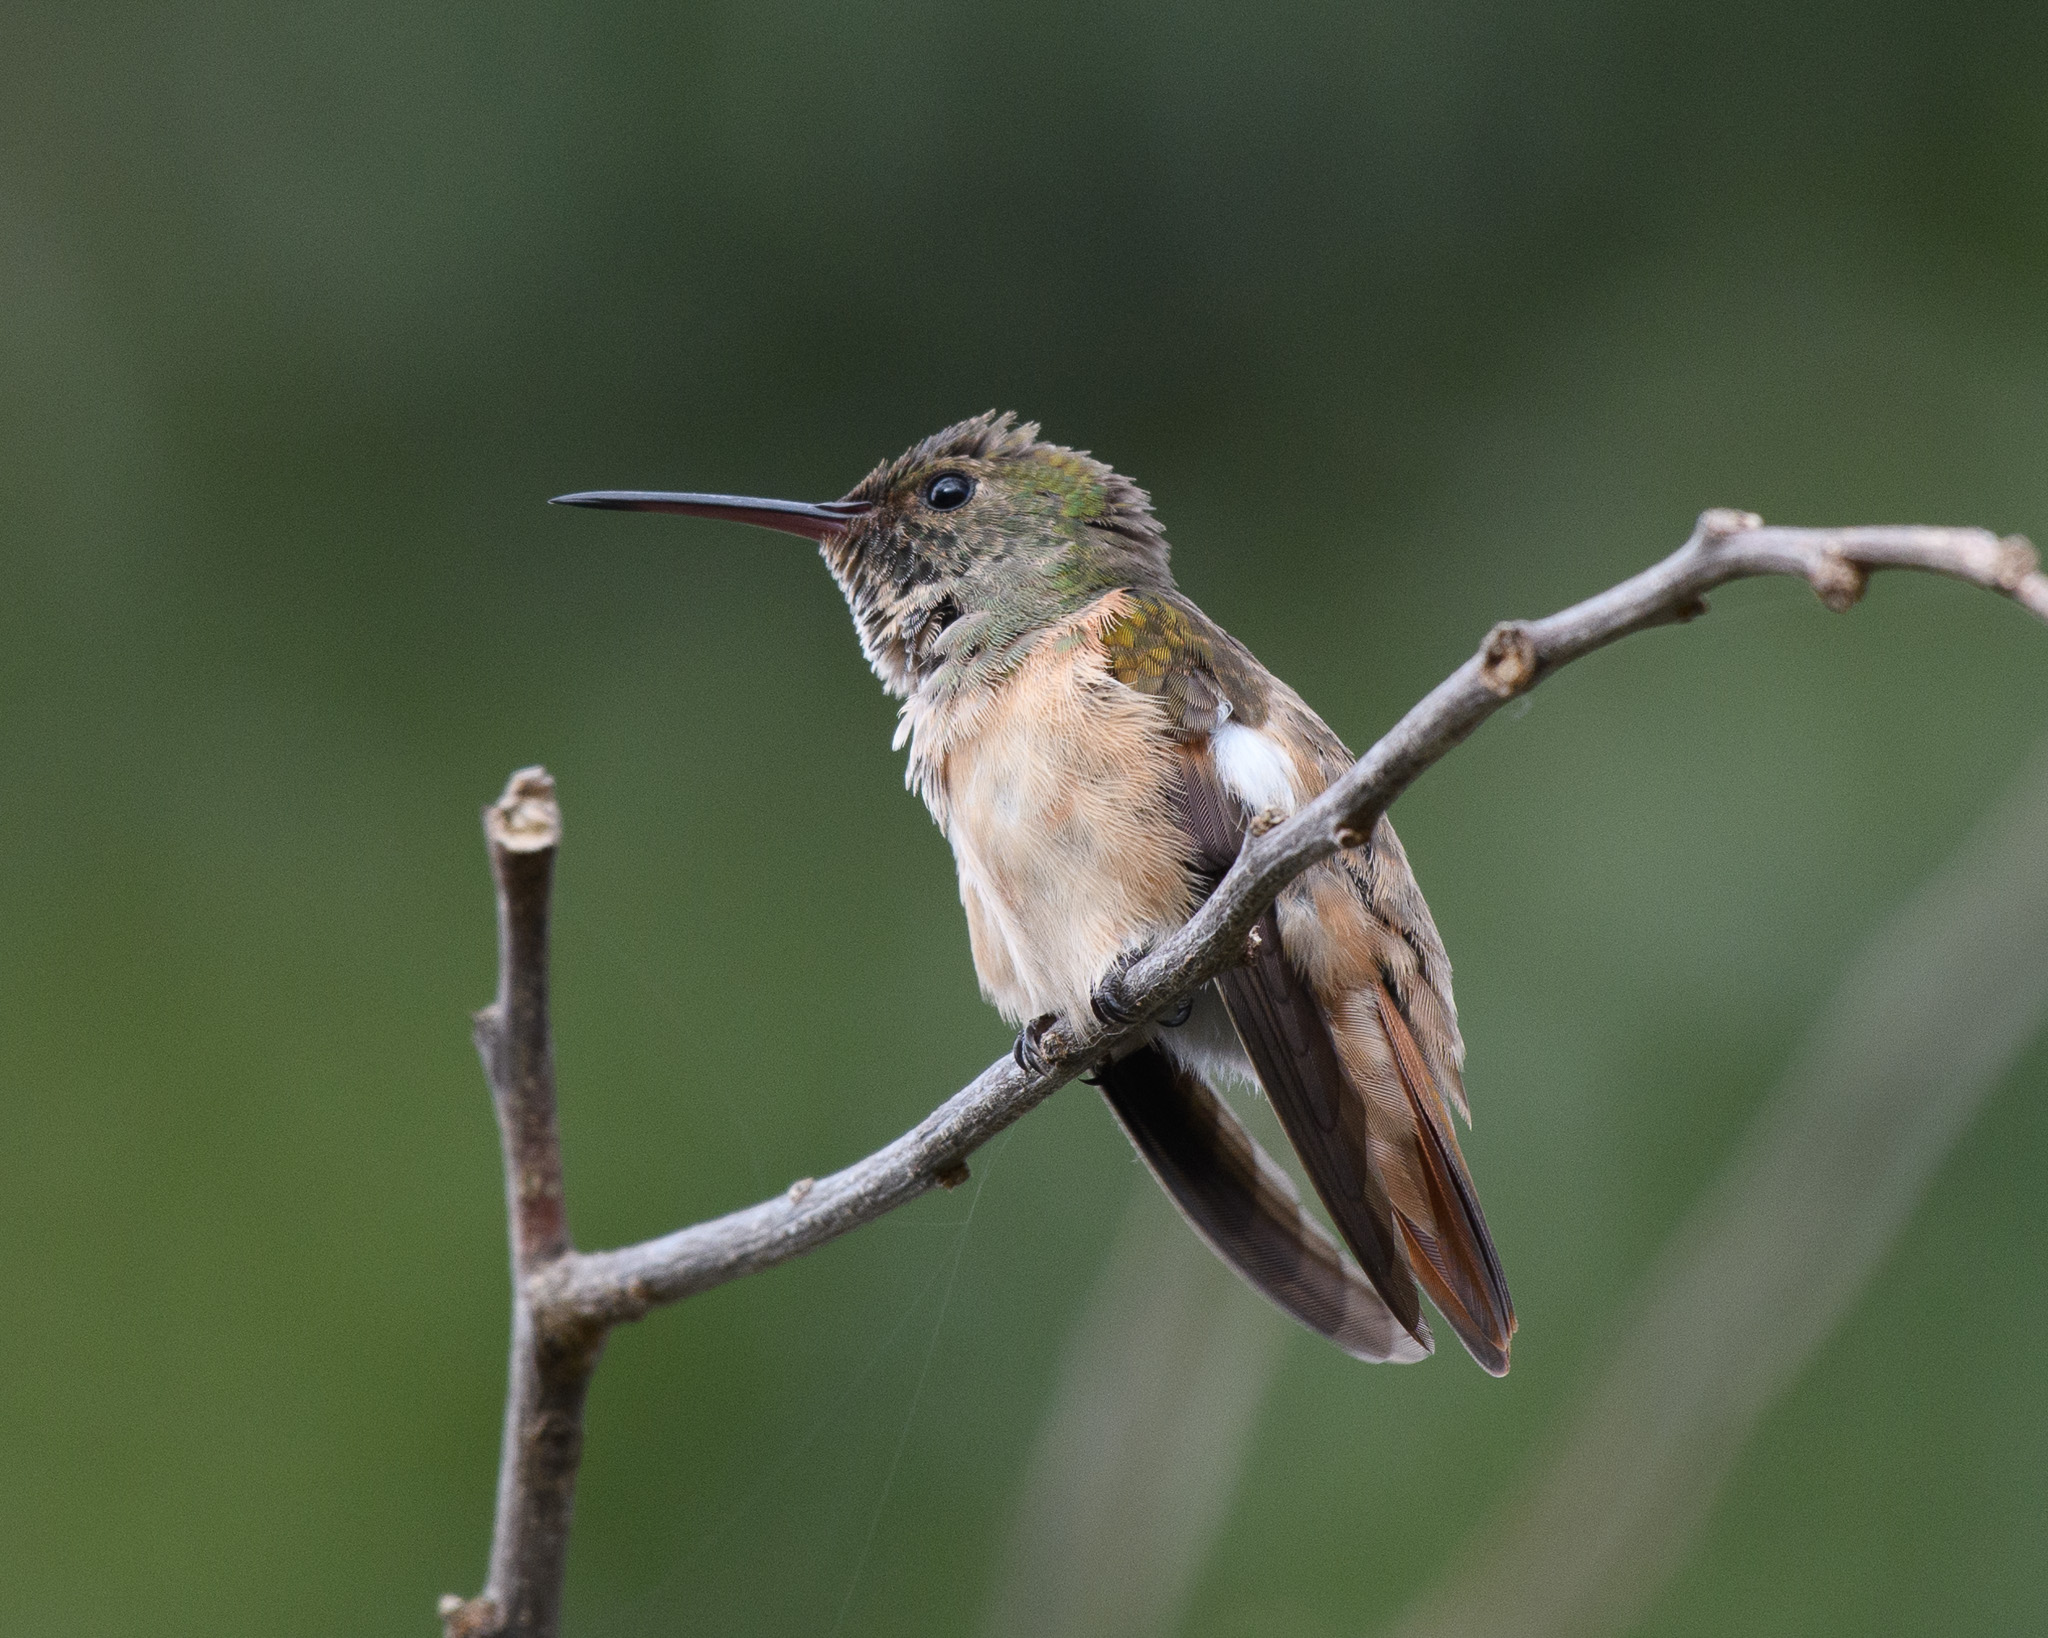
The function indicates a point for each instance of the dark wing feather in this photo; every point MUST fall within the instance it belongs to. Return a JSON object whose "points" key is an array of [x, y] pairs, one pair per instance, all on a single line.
{"points": [[1384, 1161], [1288, 1041], [1245, 1207]]}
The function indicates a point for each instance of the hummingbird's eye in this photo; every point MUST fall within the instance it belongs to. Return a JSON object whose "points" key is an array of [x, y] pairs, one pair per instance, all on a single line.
{"points": [[948, 491]]}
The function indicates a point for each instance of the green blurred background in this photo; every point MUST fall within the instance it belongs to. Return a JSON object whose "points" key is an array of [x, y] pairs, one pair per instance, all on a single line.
{"points": [[1411, 317]]}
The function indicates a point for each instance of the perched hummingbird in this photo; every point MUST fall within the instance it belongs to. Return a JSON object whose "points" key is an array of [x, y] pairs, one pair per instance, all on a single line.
{"points": [[1095, 749]]}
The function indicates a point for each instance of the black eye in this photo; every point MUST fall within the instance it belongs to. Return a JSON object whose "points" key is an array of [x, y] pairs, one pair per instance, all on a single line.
{"points": [[948, 491]]}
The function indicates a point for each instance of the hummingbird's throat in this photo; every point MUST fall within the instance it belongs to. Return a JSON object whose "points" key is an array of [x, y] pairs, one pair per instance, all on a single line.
{"points": [[943, 620]]}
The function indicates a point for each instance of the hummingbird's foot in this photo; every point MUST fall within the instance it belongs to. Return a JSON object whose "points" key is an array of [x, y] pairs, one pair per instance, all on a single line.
{"points": [[1030, 1051], [1112, 1002]]}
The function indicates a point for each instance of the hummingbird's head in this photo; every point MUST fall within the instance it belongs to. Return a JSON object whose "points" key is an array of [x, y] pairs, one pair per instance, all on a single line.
{"points": [[954, 554]]}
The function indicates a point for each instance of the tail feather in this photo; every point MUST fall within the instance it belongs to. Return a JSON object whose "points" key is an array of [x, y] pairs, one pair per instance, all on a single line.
{"points": [[1451, 1251], [1245, 1207]]}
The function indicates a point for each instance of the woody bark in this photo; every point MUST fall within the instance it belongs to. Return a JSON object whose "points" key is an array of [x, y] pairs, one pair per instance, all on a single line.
{"points": [[565, 1301]]}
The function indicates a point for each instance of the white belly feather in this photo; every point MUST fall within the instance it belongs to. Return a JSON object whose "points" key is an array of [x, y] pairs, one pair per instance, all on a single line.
{"points": [[1055, 790], [1055, 795]]}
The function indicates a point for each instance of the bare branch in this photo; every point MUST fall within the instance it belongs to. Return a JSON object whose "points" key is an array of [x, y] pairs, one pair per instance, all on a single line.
{"points": [[565, 1301], [551, 1362], [524, 828], [1516, 655], [610, 1286]]}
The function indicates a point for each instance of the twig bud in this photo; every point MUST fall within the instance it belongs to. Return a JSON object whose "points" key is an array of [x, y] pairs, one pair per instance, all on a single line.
{"points": [[467, 1617], [1717, 523], [2016, 560], [1836, 581], [1507, 660]]}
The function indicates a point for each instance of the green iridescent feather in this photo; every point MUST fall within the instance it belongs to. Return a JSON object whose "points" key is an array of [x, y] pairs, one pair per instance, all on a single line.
{"points": [[1165, 646]]}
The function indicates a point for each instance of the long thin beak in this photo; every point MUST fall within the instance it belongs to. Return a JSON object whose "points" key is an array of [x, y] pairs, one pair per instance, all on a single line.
{"points": [[817, 521]]}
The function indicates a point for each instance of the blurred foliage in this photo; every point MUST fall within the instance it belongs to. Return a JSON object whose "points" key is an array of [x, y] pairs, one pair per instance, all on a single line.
{"points": [[1411, 317]]}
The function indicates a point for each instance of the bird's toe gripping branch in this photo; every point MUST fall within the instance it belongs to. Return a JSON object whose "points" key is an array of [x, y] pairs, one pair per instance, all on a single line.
{"points": [[1038, 1050], [1114, 1005], [1112, 1002]]}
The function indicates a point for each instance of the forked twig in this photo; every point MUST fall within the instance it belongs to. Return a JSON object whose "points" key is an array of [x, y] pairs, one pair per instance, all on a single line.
{"points": [[564, 1301]]}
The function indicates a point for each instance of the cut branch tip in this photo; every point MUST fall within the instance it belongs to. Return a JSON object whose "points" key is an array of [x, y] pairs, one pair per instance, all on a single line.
{"points": [[526, 819], [801, 1187]]}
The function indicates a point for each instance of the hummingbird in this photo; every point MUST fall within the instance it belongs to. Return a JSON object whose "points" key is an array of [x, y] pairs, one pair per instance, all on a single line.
{"points": [[1095, 749]]}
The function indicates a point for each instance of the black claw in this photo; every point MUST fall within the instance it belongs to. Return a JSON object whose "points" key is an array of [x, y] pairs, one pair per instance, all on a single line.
{"points": [[1028, 1051], [1111, 1002]]}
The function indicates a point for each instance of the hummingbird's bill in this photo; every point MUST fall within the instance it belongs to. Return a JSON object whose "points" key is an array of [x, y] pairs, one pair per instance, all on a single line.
{"points": [[814, 520]]}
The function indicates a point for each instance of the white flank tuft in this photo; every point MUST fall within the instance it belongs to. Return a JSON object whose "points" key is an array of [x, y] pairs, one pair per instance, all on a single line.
{"points": [[1254, 768]]}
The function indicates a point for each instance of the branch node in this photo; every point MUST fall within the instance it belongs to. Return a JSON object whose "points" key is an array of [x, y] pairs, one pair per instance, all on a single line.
{"points": [[1689, 611], [952, 1176], [2016, 560], [526, 819], [1836, 581], [1507, 660], [1718, 523], [469, 1617], [801, 1187], [1347, 838]]}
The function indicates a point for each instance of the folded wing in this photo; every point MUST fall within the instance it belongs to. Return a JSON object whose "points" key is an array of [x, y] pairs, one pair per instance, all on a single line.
{"points": [[1343, 1008]]}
